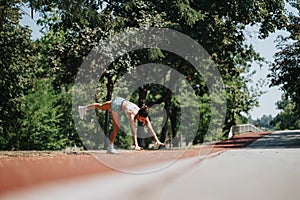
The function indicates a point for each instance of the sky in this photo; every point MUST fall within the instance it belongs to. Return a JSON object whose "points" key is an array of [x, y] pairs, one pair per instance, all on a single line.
{"points": [[28, 21], [266, 48]]}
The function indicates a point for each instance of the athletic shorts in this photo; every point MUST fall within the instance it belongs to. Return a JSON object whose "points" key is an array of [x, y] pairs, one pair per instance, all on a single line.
{"points": [[116, 104]]}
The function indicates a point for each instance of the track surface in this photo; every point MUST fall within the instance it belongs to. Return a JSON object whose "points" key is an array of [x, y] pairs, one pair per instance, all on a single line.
{"points": [[267, 169], [26, 170]]}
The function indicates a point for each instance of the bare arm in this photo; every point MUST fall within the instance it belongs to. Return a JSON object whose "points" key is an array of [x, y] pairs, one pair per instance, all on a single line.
{"points": [[133, 131], [152, 132]]}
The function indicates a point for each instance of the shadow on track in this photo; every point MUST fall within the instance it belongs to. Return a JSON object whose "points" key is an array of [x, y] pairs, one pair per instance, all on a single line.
{"points": [[278, 140]]}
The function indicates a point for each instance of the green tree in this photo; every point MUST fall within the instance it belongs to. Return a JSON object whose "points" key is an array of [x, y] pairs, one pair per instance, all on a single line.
{"points": [[285, 71], [42, 119], [287, 118], [217, 26], [18, 63], [266, 121], [222, 35]]}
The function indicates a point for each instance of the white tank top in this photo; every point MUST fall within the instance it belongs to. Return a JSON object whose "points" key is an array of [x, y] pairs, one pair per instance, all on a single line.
{"points": [[130, 108]]}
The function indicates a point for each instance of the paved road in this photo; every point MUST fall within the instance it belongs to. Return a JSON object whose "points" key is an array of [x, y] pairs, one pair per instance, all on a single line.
{"points": [[268, 169], [278, 140]]}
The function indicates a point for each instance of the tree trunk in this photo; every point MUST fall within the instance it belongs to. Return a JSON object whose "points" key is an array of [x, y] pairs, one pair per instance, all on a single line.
{"points": [[140, 129], [164, 131], [173, 118]]}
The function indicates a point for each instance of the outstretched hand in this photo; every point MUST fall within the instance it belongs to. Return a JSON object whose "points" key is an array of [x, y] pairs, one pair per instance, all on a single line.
{"points": [[158, 143], [161, 146], [138, 148]]}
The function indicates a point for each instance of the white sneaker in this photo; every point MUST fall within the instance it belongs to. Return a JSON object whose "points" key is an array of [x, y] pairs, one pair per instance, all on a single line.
{"points": [[112, 150], [82, 111]]}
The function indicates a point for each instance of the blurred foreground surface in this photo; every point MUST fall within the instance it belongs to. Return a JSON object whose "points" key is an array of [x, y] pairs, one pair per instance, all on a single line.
{"points": [[266, 169]]}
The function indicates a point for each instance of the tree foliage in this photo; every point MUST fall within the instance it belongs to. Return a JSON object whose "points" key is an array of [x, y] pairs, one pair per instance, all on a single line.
{"points": [[32, 71], [285, 71], [266, 122], [287, 119], [42, 117], [18, 63]]}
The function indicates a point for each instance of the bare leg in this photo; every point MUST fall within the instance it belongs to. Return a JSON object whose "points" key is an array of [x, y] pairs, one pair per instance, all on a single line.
{"points": [[116, 123], [100, 106]]}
